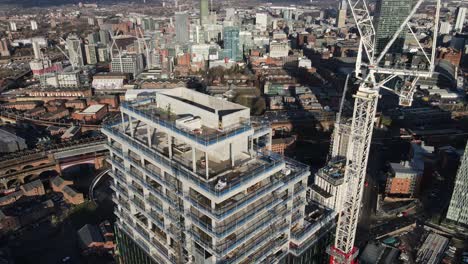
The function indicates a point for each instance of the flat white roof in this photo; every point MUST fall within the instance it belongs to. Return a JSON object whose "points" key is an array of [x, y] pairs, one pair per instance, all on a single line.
{"points": [[93, 109]]}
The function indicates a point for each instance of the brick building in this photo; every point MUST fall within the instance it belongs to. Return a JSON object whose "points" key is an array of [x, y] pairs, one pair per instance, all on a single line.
{"points": [[92, 113]]}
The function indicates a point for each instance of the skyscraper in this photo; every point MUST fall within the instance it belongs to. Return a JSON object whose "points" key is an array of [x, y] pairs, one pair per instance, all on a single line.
{"points": [[33, 25], [390, 14], [75, 50], [458, 211], [204, 11], [341, 19], [91, 54], [191, 186], [461, 15], [182, 27], [231, 43]]}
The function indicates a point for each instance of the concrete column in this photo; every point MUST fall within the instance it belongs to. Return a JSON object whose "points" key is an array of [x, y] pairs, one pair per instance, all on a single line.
{"points": [[207, 173], [150, 136], [270, 140], [169, 142], [231, 154], [194, 159], [130, 122], [123, 121]]}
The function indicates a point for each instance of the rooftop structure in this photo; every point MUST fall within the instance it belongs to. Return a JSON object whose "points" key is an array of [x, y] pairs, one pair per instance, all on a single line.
{"points": [[10, 142], [431, 252], [328, 185]]}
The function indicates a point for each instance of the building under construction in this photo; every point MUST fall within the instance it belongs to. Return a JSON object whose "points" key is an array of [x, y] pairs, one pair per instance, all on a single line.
{"points": [[191, 186]]}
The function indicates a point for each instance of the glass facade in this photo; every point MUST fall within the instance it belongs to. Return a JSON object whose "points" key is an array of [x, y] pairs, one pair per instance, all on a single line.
{"points": [[390, 14]]}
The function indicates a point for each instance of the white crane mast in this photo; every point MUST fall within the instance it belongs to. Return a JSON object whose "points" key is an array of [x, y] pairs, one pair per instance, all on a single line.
{"points": [[373, 77]]}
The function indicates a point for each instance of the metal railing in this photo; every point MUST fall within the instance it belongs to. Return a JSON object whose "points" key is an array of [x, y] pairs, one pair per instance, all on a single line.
{"points": [[205, 140], [274, 162], [221, 231]]}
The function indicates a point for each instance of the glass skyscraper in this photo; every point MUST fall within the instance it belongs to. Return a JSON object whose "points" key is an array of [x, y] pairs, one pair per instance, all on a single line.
{"points": [[458, 209], [390, 14], [231, 43], [204, 11], [182, 27]]}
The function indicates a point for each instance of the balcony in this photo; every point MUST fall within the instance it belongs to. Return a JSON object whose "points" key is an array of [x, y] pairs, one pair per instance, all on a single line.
{"points": [[221, 231], [205, 136], [277, 182], [263, 225], [255, 244], [146, 245], [270, 162]]}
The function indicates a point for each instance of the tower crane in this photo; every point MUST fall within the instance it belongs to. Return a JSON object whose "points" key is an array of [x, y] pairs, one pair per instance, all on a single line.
{"points": [[373, 76]]}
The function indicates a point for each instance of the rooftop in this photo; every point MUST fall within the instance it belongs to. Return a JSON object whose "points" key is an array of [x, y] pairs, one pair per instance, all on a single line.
{"points": [[172, 108], [6, 137], [33, 185], [93, 109], [333, 172]]}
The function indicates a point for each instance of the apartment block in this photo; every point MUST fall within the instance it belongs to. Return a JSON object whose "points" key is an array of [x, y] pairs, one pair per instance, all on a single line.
{"points": [[191, 185]]}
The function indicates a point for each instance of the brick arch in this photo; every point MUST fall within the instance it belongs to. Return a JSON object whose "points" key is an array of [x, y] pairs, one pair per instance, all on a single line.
{"points": [[28, 166], [12, 183], [10, 171], [28, 178]]}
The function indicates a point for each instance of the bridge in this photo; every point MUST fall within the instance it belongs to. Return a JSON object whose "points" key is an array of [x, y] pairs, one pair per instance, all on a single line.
{"points": [[25, 166], [11, 118]]}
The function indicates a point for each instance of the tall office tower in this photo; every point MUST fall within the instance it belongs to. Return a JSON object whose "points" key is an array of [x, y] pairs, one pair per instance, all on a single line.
{"points": [[445, 27], [13, 26], [5, 48], [461, 15], [33, 25], [341, 19], [93, 38], [36, 50], [204, 12], [104, 37], [75, 50], [103, 53], [390, 14], [182, 27], [261, 21], [231, 44], [458, 211], [191, 185], [91, 54], [128, 63]]}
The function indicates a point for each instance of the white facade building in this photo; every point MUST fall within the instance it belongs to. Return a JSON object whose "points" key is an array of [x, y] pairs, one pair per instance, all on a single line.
{"points": [[261, 21], [192, 187], [460, 21]]}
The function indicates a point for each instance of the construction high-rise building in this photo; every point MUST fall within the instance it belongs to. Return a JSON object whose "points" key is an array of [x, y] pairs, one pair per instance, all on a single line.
{"points": [[75, 50], [192, 185], [33, 25], [104, 37], [128, 63], [232, 49], [204, 12], [182, 27], [5, 47], [341, 19], [13, 26], [91, 54], [390, 14], [460, 21], [458, 211], [103, 53]]}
